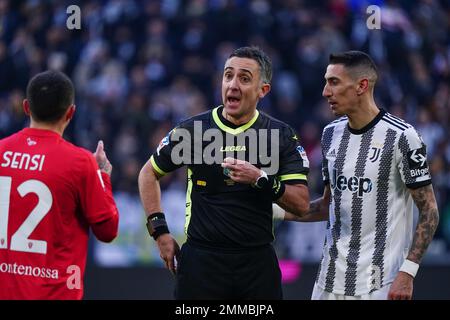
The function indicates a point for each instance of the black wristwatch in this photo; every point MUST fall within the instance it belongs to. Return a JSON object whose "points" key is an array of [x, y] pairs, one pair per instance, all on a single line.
{"points": [[262, 181]]}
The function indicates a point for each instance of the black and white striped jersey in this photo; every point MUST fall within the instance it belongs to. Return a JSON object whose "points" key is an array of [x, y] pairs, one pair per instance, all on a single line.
{"points": [[370, 226]]}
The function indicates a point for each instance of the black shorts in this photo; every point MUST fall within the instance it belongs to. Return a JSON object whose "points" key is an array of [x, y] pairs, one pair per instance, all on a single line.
{"points": [[205, 273]]}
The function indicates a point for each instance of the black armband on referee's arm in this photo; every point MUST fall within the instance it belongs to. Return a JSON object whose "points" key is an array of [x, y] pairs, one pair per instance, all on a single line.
{"points": [[157, 225], [278, 188]]}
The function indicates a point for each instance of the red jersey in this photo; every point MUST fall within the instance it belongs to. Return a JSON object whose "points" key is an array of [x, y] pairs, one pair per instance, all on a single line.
{"points": [[51, 192]]}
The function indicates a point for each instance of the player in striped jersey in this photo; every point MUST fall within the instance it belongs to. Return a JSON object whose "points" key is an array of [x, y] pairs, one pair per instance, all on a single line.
{"points": [[374, 167]]}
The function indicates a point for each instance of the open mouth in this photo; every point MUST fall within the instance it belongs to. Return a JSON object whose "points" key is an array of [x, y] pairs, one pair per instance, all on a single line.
{"points": [[233, 101]]}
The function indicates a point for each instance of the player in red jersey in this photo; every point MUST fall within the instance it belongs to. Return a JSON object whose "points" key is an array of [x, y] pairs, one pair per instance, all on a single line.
{"points": [[51, 193]]}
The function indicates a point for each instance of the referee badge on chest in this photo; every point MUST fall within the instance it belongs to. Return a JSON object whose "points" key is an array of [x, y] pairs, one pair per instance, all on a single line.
{"points": [[229, 182]]}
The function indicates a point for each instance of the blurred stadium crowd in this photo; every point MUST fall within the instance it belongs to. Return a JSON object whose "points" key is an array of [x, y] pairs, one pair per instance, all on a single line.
{"points": [[139, 67]]}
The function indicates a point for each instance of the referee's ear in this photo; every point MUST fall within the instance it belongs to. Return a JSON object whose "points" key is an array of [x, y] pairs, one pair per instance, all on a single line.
{"points": [[265, 89]]}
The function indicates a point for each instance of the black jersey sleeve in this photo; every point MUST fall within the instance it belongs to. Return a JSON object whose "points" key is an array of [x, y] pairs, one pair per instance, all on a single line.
{"points": [[294, 163], [166, 157]]}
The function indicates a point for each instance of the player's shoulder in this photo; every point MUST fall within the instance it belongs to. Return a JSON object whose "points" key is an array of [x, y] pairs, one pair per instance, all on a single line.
{"points": [[75, 152], [338, 123], [397, 124], [10, 139], [5, 141]]}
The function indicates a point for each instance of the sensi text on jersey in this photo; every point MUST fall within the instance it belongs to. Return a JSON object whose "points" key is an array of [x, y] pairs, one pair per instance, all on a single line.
{"points": [[25, 161]]}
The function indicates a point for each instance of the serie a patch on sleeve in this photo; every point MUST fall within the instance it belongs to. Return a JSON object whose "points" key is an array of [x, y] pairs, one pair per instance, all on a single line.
{"points": [[302, 153], [164, 142]]}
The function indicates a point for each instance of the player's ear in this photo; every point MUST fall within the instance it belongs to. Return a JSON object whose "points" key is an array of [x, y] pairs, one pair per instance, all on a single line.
{"points": [[70, 112], [26, 107], [265, 89], [363, 86]]}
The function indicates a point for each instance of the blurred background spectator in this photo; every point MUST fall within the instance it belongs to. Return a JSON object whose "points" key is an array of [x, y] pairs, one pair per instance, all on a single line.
{"points": [[140, 67]]}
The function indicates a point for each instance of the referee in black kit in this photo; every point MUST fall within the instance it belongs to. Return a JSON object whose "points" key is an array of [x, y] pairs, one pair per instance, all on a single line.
{"points": [[239, 162]]}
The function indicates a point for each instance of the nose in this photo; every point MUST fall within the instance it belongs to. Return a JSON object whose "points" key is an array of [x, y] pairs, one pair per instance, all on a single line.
{"points": [[233, 83], [326, 91]]}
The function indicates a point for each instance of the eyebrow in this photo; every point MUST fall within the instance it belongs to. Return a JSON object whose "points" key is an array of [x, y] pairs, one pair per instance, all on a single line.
{"points": [[245, 70]]}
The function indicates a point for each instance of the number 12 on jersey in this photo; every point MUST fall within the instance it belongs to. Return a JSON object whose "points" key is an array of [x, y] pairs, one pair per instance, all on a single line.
{"points": [[20, 240]]}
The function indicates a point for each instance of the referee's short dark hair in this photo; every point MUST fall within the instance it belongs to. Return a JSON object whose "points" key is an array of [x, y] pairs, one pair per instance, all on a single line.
{"points": [[255, 53], [357, 62], [49, 95]]}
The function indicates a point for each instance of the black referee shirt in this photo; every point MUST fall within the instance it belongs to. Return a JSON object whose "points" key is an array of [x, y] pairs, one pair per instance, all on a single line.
{"points": [[221, 213]]}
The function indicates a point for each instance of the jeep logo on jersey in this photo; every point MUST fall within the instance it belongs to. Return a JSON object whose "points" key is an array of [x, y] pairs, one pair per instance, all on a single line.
{"points": [[354, 184]]}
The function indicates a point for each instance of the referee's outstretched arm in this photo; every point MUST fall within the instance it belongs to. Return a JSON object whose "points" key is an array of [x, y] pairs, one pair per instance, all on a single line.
{"points": [[295, 200], [318, 209]]}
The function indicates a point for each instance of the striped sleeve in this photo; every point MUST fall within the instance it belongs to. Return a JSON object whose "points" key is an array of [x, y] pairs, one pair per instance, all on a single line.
{"points": [[412, 162], [327, 137]]}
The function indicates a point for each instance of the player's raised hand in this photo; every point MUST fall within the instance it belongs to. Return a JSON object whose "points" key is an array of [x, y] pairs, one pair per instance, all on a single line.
{"points": [[241, 171], [101, 158], [168, 250]]}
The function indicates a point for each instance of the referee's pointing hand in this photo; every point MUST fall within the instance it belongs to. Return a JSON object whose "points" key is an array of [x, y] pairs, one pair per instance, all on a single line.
{"points": [[241, 171]]}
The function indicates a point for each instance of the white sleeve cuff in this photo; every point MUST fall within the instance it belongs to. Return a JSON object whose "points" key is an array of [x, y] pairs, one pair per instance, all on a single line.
{"points": [[278, 212], [410, 267]]}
